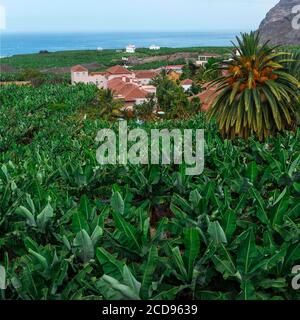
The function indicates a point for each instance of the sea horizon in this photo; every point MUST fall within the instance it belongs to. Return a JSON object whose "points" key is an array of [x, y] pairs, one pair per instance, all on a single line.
{"points": [[14, 43]]}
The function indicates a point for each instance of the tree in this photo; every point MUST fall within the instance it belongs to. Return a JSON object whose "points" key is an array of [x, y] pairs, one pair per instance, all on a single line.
{"points": [[294, 69], [171, 97], [256, 93], [189, 71], [293, 66], [146, 109], [109, 106]]}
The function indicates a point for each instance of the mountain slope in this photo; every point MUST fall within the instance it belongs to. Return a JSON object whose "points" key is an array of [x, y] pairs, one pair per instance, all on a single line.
{"points": [[277, 26]]}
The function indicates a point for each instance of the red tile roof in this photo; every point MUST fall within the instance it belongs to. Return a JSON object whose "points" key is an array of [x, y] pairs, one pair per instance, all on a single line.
{"points": [[176, 66], [115, 84], [118, 70], [79, 68], [128, 91], [132, 93], [187, 82], [145, 74]]}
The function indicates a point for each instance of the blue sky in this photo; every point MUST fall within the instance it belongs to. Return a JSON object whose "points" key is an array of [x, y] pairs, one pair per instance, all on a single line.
{"points": [[134, 15]]}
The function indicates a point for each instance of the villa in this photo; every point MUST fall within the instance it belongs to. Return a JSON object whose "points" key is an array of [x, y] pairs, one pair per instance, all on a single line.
{"points": [[130, 48], [133, 87], [80, 74], [144, 77], [128, 91], [204, 57], [175, 68]]}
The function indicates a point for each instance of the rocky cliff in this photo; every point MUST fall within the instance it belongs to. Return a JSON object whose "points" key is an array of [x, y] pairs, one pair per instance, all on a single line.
{"points": [[282, 23]]}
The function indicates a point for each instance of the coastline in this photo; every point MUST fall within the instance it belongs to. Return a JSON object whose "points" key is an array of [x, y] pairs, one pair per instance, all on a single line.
{"points": [[28, 43]]}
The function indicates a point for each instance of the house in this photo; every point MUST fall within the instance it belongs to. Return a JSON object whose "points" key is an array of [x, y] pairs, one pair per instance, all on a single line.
{"points": [[131, 86], [150, 89], [130, 48], [172, 68], [130, 92], [144, 77], [154, 47], [80, 74], [187, 84], [118, 72], [204, 57], [176, 68]]}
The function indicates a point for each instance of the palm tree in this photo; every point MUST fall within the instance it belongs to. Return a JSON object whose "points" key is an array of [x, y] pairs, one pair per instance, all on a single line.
{"points": [[294, 65], [294, 69], [256, 93], [109, 106]]}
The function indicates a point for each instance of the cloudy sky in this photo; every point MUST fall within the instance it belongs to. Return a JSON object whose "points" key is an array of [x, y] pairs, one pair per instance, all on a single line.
{"points": [[134, 15]]}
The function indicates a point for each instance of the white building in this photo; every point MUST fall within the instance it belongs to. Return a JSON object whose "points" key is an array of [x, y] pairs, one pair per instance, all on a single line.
{"points": [[204, 57], [154, 47], [187, 84], [131, 86], [130, 48], [80, 74]]}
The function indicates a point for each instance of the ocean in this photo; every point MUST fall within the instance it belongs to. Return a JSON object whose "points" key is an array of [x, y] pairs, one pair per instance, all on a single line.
{"points": [[17, 43]]}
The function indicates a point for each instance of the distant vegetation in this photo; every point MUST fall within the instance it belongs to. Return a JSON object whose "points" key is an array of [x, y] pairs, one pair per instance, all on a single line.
{"points": [[106, 57]]}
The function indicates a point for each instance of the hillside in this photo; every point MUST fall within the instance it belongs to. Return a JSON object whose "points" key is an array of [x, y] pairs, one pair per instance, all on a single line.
{"points": [[277, 25], [105, 58]]}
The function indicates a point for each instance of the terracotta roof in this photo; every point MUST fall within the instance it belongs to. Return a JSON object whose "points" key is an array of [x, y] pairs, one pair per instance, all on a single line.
{"points": [[118, 70], [207, 97], [176, 66], [128, 91], [135, 93], [79, 68], [187, 82], [145, 74], [131, 92], [116, 84]]}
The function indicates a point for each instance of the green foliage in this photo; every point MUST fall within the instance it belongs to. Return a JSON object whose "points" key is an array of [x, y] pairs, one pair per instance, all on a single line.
{"points": [[106, 58], [146, 109], [257, 95], [172, 99], [109, 106], [70, 229]]}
